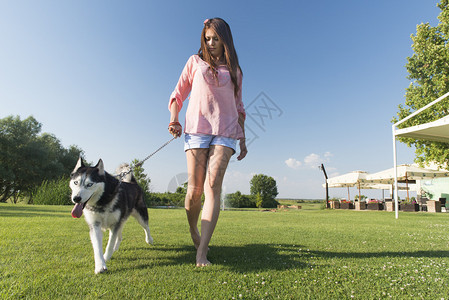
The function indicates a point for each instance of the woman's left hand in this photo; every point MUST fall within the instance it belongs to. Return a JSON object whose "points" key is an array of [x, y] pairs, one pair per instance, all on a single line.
{"points": [[243, 149]]}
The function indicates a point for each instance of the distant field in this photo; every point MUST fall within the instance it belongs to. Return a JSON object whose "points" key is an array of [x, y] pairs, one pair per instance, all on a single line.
{"points": [[287, 254], [306, 204], [299, 200]]}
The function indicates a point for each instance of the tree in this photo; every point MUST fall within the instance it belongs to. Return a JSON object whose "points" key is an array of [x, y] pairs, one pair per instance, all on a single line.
{"points": [[240, 201], [27, 158], [265, 190], [428, 70], [141, 178], [182, 189]]}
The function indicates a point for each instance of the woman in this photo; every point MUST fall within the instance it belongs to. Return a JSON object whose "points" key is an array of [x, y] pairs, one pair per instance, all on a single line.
{"points": [[214, 123]]}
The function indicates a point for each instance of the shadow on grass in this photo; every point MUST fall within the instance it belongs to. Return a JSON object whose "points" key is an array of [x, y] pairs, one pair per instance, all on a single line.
{"points": [[262, 257], [247, 258]]}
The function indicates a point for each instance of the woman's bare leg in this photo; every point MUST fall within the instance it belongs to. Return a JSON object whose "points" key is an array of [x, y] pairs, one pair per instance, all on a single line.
{"points": [[219, 157], [196, 168]]}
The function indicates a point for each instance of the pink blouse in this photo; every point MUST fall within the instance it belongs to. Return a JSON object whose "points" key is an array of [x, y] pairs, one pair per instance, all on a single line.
{"points": [[213, 108]]}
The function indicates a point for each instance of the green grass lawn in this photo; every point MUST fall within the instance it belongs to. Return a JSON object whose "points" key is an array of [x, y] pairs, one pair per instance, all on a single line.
{"points": [[301, 254]]}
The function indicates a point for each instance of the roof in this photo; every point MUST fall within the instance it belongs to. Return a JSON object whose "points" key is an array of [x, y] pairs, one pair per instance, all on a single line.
{"points": [[433, 131]]}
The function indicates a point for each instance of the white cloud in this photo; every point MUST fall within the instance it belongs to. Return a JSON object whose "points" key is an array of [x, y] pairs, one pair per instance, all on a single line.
{"points": [[293, 163], [312, 160]]}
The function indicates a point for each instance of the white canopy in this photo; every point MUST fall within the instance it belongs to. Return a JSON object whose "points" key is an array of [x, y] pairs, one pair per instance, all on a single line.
{"points": [[434, 131]]}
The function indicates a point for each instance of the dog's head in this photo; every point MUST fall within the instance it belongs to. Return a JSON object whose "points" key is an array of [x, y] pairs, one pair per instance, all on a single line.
{"points": [[86, 183]]}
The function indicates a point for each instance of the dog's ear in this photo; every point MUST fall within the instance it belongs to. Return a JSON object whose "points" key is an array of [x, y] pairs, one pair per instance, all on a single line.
{"points": [[79, 164], [100, 167]]}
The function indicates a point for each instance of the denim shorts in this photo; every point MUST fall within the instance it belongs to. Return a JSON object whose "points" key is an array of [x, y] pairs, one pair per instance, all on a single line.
{"points": [[195, 141]]}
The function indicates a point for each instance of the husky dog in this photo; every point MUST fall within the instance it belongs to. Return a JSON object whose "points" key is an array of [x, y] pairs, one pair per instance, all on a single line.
{"points": [[107, 203]]}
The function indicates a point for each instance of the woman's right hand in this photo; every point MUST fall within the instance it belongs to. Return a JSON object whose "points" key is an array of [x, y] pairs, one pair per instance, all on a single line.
{"points": [[175, 129], [243, 149]]}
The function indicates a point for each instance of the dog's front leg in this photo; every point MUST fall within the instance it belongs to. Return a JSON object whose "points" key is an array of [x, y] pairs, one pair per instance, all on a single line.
{"points": [[96, 237], [114, 236]]}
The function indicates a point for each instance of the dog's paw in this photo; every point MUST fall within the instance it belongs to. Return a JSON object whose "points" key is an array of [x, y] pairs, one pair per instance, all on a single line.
{"points": [[103, 269]]}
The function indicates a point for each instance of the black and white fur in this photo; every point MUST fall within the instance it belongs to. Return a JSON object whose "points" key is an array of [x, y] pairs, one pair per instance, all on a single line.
{"points": [[107, 203]]}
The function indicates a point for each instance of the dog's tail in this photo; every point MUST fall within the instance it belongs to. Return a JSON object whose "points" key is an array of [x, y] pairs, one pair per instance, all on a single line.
{"points": [[125, 168]]}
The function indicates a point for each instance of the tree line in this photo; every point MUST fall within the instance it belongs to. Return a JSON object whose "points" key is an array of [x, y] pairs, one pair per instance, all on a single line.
{"points": [[28, 158], [263, 191], [35, 168]]}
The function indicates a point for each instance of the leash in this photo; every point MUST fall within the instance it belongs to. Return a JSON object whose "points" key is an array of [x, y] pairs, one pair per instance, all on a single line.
{"points": [[140, 163]]}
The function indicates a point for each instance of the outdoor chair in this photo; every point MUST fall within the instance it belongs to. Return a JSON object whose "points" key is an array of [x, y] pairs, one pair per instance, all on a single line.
{"points": [[422, 201], [443, 204]]}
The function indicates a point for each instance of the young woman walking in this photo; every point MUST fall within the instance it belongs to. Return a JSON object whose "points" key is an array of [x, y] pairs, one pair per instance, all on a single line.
{"points": [[214, 124]]}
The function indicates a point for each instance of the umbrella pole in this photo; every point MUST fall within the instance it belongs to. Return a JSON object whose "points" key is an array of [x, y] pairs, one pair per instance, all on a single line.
{"points": [[359, 192], [406, 186], [395, 164], [349, 198]]}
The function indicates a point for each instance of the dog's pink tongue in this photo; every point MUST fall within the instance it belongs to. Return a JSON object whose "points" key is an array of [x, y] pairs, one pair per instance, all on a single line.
{"points": [[77, 210]]}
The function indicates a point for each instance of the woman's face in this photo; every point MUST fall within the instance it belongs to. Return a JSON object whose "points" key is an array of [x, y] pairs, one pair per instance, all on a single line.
{"points": [[214, 44]]}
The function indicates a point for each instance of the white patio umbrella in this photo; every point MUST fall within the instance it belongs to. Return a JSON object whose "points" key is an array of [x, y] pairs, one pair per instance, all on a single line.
{"points": [[380, 186], [369, 186], [405, 173], [348, 180]]}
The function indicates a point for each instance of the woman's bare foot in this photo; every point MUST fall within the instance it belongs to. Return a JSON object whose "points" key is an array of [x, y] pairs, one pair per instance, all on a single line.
{"points": [[203, 264], [201, 259]]}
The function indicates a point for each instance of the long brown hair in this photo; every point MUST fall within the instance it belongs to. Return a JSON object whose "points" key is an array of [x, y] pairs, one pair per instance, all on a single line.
{"points": [[223, 31]]}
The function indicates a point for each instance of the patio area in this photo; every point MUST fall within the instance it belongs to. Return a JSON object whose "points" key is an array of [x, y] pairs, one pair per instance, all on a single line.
{"points": [[419, 205]]}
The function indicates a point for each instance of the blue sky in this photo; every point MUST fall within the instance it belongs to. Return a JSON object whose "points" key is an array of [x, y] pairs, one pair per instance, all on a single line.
{"points": [[326, 76]]}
